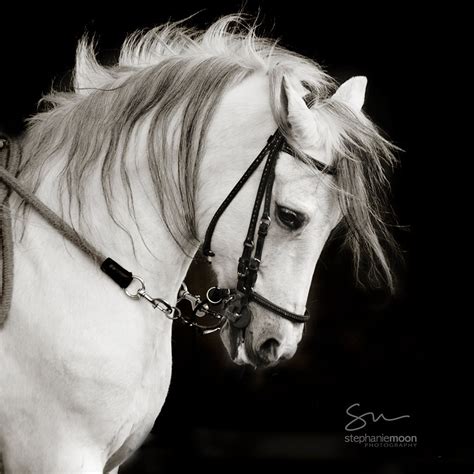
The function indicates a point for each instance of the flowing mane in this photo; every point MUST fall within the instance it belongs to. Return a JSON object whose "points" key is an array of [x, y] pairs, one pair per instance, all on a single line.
{"points": [[175, 77]]}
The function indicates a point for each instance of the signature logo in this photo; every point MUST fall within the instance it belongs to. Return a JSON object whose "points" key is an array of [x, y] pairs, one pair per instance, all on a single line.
{"points": [[359, 421]]}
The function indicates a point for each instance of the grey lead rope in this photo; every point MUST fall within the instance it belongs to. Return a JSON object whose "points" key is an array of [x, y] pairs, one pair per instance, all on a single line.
{"points": [[9, 163], [9, 159]]}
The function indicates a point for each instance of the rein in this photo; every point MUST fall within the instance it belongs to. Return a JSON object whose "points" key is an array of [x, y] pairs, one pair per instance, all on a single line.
{"points": [[230, 304]]}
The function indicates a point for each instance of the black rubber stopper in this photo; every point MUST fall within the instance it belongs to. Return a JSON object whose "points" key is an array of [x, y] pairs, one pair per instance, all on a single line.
{"points": [[119, 275]]}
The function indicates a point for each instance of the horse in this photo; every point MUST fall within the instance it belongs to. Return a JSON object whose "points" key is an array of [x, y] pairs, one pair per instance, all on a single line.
{"points": [[136, 158]]}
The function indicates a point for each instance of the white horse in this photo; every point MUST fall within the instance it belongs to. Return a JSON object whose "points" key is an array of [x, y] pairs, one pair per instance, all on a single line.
{"points": [[138, 158]]}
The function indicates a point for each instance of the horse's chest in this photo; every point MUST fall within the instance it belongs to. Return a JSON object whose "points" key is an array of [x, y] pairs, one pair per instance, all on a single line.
{"points": [[146, 402], [102, 363], [151, 393]]}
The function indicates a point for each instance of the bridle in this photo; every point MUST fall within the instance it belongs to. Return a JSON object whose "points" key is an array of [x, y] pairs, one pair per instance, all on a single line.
{"points": [[231, 304], [237, 309], [236, 301]]}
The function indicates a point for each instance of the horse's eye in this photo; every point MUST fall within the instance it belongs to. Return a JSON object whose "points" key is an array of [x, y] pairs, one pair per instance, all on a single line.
{"points": [[291, 219]]}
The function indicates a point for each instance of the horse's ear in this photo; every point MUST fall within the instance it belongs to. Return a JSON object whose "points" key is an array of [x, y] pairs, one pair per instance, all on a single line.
{"points": [[88, 74], [352, 92], [299, 118]]}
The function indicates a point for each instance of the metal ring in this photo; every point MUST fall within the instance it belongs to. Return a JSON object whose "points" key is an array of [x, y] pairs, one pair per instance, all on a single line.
{"points": [[182, 293], [135, 296], [175, 313], [211, 300]]}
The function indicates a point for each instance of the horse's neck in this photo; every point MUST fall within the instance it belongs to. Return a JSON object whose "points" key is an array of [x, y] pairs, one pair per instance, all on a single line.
{"points": [[148, 250], [232, 140]]}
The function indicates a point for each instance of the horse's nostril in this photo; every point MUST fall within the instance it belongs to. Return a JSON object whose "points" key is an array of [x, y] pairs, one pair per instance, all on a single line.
{"points": [[269, 349]]}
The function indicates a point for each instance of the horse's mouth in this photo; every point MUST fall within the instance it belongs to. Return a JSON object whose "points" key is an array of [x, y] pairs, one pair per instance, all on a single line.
{"points": [[234, 341]]}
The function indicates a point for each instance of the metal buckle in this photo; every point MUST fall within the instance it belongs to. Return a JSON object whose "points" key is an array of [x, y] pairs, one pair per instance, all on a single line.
{"points": [[249, 244]]}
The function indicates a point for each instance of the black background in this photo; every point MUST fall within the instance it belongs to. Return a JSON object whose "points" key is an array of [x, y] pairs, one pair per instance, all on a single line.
{"points": [[400, 356]]}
